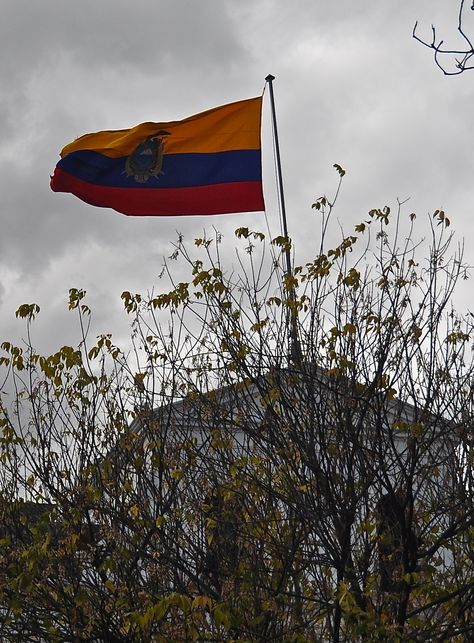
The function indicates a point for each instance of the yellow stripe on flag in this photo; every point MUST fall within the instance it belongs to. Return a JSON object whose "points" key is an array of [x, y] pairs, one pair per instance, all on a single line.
{"points": [[235, 126]]}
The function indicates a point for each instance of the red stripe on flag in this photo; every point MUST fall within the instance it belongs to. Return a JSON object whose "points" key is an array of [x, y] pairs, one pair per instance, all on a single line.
{"points": [[219, 198]]}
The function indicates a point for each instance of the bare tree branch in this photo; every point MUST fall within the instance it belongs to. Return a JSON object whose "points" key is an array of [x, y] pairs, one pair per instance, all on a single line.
{"points": [[444, 55]]}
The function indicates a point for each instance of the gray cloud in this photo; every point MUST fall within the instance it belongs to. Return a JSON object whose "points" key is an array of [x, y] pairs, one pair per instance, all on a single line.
{"points": [[352, 87], [143, 34]]}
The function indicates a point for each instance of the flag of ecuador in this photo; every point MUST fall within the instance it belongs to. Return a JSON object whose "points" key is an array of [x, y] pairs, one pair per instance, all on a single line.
{"points": [[209, 163]]}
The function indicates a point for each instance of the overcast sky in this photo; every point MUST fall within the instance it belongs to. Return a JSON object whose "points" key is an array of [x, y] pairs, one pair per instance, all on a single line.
{"points": [[352, 87]]}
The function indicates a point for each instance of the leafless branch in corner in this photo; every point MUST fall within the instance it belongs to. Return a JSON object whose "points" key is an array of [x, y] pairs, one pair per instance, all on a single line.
{"points": [[463, 57]]}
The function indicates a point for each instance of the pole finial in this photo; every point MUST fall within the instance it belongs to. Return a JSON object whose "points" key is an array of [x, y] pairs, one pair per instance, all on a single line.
{"points": [[269, 78]]}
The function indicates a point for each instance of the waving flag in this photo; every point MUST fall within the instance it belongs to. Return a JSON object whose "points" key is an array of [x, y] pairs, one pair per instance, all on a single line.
{"points": [[209, 163]]}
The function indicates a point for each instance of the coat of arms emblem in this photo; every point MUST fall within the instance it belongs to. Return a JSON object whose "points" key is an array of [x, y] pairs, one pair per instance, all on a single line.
{"points": [[146, 160]]}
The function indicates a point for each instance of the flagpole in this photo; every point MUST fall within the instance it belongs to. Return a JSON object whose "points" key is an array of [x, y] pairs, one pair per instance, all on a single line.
{"points": [[295, 349], [270, 80]]}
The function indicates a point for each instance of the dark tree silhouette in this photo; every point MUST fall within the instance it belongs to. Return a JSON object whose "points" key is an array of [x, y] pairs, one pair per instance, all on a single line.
{"points": [[216, 485]]}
